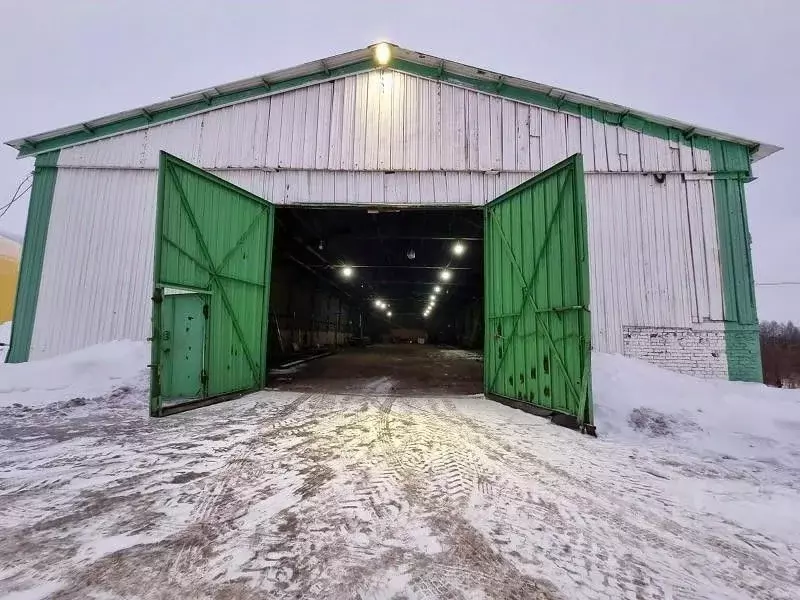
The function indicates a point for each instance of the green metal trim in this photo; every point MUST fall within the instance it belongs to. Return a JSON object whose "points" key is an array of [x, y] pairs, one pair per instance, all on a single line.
{"points": [[743, 350], [586, 409], [156, 405], [623, 119], [33, 251], [154, 118], [505, 90]]}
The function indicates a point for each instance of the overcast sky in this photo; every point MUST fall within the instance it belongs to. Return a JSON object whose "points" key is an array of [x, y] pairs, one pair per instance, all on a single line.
{"points": [[732, 65]]}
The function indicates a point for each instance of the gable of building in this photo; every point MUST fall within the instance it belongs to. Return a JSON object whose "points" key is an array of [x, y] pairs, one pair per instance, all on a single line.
{"points": [[406, 61]]}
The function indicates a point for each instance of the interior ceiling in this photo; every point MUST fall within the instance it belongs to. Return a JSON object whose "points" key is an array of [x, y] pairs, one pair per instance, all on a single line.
{"points": [[376, 243]]}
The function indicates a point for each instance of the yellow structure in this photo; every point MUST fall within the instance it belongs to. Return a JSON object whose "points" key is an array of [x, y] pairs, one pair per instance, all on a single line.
{"points": [[10, 252]]}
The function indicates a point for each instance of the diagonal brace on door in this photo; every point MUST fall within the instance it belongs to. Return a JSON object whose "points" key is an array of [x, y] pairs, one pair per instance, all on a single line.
{"points": [[528, 298], [250, 229], [213, 272], [528, 291], [184, 253]]}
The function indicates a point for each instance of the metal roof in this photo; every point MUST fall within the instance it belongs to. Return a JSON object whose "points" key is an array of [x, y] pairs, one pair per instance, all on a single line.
{"points": [[337, 66]]}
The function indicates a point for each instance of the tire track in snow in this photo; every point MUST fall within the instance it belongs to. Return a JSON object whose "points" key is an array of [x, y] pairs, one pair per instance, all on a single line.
{"points": [[219, 503]]}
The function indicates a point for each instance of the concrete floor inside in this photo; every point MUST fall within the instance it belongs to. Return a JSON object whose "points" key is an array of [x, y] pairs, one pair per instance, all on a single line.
{"points": [[408, 369]]}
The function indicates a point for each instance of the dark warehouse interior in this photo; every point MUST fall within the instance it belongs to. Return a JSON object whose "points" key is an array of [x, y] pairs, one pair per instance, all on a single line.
{"points": [[358, 276]]}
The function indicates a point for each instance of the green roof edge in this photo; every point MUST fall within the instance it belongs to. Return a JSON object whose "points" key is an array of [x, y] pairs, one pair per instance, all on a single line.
{"points": [[148, 116]]}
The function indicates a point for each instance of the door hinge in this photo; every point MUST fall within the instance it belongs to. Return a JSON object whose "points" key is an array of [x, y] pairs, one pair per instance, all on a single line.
{"points": [[158, 295], [205, 310], [204, 377]]}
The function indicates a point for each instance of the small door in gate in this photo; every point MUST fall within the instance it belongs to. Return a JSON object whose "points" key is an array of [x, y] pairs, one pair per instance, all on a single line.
{"points": [[183, 339], [213, 256], [536, 267]]}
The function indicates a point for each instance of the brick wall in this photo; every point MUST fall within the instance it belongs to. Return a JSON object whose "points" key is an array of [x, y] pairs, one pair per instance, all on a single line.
{"points": [[694, 352]]}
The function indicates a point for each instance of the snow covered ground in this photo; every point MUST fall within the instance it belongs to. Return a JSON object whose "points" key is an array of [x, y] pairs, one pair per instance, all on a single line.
{"points": [[691, 491]]}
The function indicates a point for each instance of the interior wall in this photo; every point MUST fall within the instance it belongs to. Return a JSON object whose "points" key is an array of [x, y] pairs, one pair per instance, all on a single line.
{"points": [[307, 313]]}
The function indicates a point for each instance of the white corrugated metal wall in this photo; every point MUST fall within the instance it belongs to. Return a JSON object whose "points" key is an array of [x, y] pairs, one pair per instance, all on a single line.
{"points": [[383, 138]]}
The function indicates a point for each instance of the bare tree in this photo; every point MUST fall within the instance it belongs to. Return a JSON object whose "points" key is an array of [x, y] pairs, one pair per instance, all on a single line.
{"points": [[780, 353]]}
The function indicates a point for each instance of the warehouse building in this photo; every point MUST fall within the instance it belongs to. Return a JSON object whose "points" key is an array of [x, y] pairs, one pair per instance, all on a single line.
{"points": [[302, 207]]}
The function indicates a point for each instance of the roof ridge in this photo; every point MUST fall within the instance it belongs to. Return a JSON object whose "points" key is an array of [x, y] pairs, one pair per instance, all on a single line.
{"points": [[360, 60]]}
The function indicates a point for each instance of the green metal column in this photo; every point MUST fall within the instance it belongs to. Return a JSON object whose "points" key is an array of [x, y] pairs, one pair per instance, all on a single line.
{"points": [[33, 250]]}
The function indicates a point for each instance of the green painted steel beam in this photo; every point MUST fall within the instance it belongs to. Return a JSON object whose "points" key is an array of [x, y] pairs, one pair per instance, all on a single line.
{"points": [[33, 251], [743, 349]]}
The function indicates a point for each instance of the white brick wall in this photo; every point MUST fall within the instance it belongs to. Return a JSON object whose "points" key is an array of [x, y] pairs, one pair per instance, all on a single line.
{"points": [[695, 352]]}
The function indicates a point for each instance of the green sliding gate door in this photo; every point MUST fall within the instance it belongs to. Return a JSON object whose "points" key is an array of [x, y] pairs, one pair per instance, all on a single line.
{"points": [[538, 335], [211, 288]]}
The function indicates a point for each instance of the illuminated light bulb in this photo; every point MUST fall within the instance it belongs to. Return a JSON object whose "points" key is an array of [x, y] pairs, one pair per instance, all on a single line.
{"points": [[383, 53], [445, 275], [347, 271], [459, 248]]}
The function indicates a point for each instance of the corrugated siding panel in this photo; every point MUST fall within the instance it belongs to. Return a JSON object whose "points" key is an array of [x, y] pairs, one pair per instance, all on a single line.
{"points": [[391, 121], [654, 254], [653, 247], [97, 277]]}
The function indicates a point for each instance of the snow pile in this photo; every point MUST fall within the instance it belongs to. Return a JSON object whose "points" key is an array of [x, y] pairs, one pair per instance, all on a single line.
{"points": [[639, 402], [89, 373]]}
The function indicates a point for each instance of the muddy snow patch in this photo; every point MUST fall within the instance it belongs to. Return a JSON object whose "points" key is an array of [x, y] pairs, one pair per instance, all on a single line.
{"points": [[657, 424]]}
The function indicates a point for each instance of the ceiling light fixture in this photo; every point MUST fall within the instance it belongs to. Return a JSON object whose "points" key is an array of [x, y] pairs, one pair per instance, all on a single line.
{"points": [[437, 289], [459, 248], [445, 275], [388, 313], [347, 272]]}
